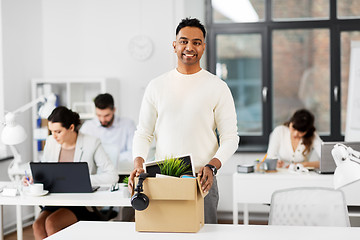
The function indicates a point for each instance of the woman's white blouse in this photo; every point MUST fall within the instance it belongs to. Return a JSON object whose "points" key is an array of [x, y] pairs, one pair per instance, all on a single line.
{"points": [[280, 147]]}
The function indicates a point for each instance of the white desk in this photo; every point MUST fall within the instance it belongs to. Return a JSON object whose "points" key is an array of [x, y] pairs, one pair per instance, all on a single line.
{"points": [[98, 198], [257, 188], [120, 230]]}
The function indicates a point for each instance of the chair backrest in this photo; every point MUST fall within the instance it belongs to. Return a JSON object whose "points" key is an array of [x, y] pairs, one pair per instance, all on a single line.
{"points": [[309, 206]]}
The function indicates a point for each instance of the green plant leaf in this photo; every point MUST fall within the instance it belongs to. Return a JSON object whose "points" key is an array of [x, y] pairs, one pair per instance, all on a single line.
{"points": [[174, 167], [126, 180]]}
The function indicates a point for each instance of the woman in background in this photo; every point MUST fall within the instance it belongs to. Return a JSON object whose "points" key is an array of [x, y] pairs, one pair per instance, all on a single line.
{"points": [[296, 141], [66, 144]]}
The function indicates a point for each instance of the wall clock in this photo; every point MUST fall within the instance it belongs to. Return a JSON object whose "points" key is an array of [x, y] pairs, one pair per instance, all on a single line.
{"points": [[141, 47]]}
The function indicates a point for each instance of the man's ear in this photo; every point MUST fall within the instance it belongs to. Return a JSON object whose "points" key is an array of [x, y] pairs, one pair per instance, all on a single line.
{"points": [[174, 45], [72, 127]]}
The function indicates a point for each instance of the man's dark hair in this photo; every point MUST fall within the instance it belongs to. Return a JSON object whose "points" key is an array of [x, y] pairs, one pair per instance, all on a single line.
{"points": [[103, 101], [190, 22]]}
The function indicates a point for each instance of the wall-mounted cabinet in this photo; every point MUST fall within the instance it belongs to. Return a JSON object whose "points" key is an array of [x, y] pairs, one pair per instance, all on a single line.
{"points": [[74, 93]]}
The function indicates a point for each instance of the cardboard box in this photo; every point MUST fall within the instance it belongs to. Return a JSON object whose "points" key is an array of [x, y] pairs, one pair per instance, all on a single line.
{"points": [[175, 205]]}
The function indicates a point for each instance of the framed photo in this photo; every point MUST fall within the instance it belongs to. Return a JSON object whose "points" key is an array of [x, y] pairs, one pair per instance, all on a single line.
{"points": [[153, 167]]}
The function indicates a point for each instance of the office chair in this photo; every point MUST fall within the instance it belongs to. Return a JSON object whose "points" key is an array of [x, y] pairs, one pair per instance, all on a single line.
{"points": [[309, 206], [105, 214]]}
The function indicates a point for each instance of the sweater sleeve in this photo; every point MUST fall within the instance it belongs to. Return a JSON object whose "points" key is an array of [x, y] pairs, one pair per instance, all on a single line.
{"points": [[316, 148], [106, 173], [144, 133], [226, 124], [274, 143]]}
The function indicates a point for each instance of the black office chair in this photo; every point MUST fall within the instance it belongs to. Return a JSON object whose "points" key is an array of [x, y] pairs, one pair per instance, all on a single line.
{"points": [[105, 214]]}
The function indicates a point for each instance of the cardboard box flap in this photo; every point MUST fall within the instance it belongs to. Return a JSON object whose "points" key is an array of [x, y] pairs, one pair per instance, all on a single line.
{"points": [[170, 188]]}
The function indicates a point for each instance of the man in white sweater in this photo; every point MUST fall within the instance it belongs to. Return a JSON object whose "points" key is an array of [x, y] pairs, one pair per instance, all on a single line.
{"points": [[184, 110]]}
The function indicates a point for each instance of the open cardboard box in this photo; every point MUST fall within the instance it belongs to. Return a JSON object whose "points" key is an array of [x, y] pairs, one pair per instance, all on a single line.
{"points": [[176, 205]]}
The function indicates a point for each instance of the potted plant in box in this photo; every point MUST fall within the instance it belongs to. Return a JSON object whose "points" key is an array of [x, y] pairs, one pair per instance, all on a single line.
{"points": [[174, 167]]}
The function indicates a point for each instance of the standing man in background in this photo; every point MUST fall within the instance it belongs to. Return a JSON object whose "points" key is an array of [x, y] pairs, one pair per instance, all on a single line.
{"points": [[116, 134], [184, 109]]}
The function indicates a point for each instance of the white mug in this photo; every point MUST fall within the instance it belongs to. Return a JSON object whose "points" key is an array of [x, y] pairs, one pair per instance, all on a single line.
{"points": [[36, 188]]}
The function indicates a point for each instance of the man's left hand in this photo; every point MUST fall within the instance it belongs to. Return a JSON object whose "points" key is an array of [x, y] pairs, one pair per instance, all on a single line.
{"points": [[206, 178]]}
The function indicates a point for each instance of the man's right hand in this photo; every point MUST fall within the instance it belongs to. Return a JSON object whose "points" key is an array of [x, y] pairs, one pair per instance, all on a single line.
{"points": [[138, 163], [135, 173]]}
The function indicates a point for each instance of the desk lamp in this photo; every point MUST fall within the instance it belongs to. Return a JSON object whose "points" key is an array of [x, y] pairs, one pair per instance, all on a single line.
{"points": [[347, 165], [14, 133]]}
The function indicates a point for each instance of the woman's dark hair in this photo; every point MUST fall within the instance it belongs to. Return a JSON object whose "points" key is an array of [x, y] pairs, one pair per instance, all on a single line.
{"points": [[303, 121], [66, 117], [190, 22]]}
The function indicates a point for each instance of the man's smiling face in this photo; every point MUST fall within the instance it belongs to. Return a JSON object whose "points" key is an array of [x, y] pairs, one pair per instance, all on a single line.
{"points": [[189, 47]]}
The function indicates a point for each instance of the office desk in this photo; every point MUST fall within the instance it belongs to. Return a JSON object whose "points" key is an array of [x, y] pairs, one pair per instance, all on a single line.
{"points": [[257, 188], [119, 230], [98, 198]]}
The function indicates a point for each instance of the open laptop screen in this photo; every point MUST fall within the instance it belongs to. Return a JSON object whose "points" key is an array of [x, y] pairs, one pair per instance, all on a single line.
{"points": [[62, 177]]}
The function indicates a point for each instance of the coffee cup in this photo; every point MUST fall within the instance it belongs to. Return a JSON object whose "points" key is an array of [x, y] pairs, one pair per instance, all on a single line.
{"points": [[271, 164], [36, 188]]}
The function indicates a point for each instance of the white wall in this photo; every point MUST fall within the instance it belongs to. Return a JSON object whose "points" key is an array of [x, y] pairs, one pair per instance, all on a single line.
{"points": [[21, 21], [92, 38], [21, 42], [2, 147], [87, 38]]}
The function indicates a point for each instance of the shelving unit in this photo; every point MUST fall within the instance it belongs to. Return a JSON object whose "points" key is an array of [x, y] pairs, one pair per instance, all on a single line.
{"points": [[74, 93]]}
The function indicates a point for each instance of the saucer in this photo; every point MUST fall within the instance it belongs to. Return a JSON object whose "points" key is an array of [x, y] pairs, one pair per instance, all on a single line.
{"points": [[28, 193]]}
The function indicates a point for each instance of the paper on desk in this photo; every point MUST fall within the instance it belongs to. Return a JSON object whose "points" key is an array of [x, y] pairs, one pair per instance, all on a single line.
{"points": [[9, 192]]}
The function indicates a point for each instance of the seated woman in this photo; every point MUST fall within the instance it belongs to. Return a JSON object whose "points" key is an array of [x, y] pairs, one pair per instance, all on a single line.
{"points": [[66, 144], [296, 141]]}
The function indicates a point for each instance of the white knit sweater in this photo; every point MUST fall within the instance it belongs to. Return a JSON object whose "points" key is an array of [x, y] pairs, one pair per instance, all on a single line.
{"points": [[182, 112]]}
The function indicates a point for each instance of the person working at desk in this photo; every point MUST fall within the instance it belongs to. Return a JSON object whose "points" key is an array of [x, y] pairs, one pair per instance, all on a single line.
{"points": [[296, 141], [65, 144], [116, 133], [183, 109]]}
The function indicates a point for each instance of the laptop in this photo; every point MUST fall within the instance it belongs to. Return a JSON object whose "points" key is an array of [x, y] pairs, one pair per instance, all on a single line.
{"points": [[63, 177], [327, 163]]}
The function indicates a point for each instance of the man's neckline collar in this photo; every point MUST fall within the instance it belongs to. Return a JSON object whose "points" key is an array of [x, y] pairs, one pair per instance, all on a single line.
{"points": [[190, 74]]}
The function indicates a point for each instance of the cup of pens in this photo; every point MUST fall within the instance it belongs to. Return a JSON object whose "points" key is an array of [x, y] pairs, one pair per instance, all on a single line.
{"points": [[260, 166]]}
